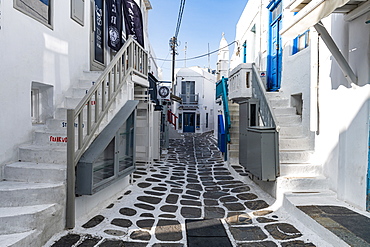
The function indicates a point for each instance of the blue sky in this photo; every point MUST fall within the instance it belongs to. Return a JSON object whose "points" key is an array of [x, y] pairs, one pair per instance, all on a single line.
{"points": [[203, 22]]}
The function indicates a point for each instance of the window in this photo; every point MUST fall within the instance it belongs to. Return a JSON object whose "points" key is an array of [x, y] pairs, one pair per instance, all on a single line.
{"points": [[301, 42], [41, 102], [35, 106], [207, 120], [198, 120], [40, 10], [276, 12], [77, 11]]}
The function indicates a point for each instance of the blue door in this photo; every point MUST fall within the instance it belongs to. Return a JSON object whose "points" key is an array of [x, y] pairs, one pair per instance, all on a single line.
{"points": [[275, 49], [189, 122]]}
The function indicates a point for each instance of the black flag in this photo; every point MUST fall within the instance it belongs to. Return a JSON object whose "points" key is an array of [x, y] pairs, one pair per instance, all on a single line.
{"points": [[114, 8], [133, 20]]}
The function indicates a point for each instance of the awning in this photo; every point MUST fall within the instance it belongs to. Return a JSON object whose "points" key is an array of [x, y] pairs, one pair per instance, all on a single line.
{"points": [[310, 13]]}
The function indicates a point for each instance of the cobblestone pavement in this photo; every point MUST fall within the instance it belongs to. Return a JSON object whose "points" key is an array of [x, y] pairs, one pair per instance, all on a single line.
{"points": [[189, 198]]}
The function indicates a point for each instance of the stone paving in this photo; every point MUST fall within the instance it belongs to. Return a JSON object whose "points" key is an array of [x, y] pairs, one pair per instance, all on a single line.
{"points": [[189, 198]]}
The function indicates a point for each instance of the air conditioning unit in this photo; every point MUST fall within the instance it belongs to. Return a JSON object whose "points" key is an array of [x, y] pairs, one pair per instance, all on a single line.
{"points": [[164, 92]]}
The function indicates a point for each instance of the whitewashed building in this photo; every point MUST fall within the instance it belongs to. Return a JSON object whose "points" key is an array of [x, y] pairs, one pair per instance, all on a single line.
{"points": [[196, 87], [313, 59], [55, 57]]}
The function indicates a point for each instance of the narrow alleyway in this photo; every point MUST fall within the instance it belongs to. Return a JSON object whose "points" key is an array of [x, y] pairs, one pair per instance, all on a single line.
{"points": [[189, 198]]}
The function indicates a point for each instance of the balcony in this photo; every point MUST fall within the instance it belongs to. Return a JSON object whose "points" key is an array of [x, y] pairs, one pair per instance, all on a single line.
{"points": [[240, 83], [189, 101]]}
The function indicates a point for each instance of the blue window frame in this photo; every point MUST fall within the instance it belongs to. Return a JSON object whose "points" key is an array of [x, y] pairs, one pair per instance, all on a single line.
{"points": [[301, 42]]}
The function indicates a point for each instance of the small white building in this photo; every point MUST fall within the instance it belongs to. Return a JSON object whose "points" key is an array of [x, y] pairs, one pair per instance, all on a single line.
{"points": [[196, 87]]}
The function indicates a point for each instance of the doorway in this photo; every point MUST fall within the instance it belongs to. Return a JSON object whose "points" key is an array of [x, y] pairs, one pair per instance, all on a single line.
{"points": [[275, 47], [189, 122], [97, 44]]}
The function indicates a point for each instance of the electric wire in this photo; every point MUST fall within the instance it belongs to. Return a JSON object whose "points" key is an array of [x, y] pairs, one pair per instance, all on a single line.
{"points": [[179, 18], [197, 57]]}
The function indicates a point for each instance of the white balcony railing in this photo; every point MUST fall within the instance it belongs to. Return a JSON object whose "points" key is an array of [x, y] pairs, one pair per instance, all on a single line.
{"points": [[240, 82]]}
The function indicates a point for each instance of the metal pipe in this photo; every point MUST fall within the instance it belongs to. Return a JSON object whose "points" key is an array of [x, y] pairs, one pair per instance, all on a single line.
{"points": [[333, 48]]}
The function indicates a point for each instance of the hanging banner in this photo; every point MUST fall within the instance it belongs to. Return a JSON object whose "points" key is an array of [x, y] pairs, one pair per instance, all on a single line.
{"points": [[99, 32], [114, 9], [133, 20]]}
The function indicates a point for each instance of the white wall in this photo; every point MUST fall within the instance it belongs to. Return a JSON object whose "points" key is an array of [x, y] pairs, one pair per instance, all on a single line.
{"points": [[342, 144], [30, 51], [255, 14], [33, 52]]}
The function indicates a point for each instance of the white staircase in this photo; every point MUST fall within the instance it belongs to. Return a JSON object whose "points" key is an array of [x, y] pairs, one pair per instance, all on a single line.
{"points": [[143, 155], [33, 192], [298, 172], [233, 146]]}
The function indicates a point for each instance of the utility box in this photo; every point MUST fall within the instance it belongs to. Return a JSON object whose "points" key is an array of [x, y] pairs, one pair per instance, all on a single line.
{"points": [[263, 153], [248, 116]]}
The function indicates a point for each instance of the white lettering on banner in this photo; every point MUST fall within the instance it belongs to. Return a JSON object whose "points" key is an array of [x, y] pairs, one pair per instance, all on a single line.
{"points": [[99, 14], [113, 20], [99, 22]]}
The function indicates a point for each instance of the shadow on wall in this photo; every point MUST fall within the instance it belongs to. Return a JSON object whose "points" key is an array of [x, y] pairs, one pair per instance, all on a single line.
{"points": [[346, 165]]}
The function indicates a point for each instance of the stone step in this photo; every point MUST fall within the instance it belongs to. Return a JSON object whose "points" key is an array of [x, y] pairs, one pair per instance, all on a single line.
{"points": [[295, 157], [290, 131], [79, 92], [233, 153], [234, 112], [288, 120], [302, 184], [25, 218], [51, 138], [294, 144], [15, 194], [35, 172], [42, 154], [18, 239], [284, 111], [72, 102], [90, 75], [59, 125], [233, 146], [276, 102], [61, 113], [234, 135], [292, 169], [275, 95]]}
